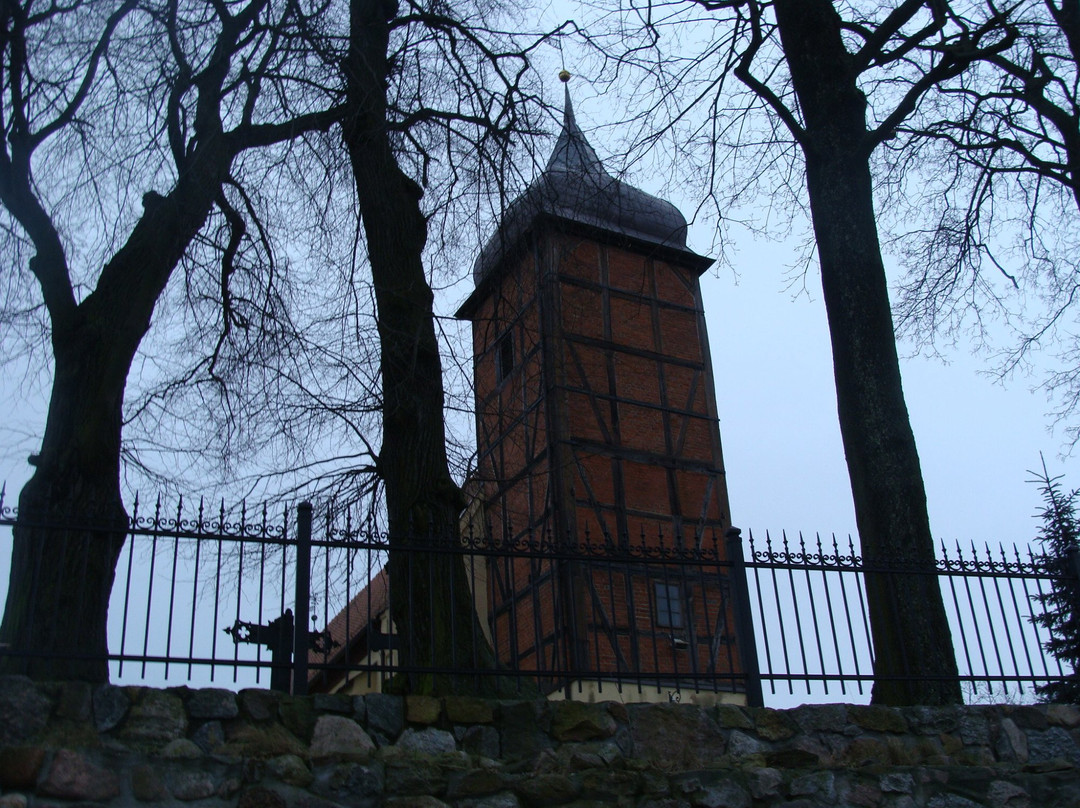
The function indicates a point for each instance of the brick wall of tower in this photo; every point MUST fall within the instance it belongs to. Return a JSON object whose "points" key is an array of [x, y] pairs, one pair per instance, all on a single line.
{"points": [[607, 421], [640, 422], [642, 446], [512, 466]]}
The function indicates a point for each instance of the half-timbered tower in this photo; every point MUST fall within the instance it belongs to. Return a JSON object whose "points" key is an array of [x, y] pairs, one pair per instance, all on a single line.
{"points": [[596, 421]]}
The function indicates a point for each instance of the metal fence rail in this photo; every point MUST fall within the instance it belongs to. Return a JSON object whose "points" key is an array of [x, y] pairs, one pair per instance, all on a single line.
{"points": [[813, 628], [224, 597]]}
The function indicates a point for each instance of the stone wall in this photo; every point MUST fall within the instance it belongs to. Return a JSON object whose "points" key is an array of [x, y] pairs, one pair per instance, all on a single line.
{"points": [[70, 744]]}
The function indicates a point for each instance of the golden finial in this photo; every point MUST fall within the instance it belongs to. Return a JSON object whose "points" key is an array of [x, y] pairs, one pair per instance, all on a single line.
{"points": [[564, 75]]}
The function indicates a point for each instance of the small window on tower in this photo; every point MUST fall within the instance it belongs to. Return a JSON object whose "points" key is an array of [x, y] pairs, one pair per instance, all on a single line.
{"points": [[669, 612], [504, 357]]}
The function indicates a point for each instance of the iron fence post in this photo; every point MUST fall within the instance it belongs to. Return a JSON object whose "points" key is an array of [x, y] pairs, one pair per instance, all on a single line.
{"points": [[303, 599], [744, 622]]}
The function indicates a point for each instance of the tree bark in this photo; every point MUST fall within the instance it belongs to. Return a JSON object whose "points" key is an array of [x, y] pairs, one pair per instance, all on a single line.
{"points": [[72, 521], [908, 622], [431, 601], [72, 525]]}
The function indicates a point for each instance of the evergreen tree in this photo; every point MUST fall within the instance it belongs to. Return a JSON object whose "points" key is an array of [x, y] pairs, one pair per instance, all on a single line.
{"points": [[1061, 617]]}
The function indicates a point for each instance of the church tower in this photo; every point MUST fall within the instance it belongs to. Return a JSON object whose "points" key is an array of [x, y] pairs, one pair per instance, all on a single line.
{"points": [[596, 422]]}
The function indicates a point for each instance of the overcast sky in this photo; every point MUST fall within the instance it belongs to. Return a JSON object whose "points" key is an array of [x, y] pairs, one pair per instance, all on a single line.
{"points": [[785, 464]]}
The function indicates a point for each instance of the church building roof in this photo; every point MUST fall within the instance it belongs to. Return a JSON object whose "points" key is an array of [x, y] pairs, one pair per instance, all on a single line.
{"points": [[575, 188]]}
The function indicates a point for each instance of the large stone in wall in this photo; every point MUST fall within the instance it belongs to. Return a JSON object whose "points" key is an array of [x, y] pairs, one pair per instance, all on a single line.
{"points": [[189, 785], [289, 769], [244, 739], [260, 705], [350, 784], [422, 709], [337, 738], [581, 721], [154, 718], [24, 710], [110, 705], [477, 782], [413, 775], [680, 735], [427, 741], [73, 777], [385, 715], [523, 729], [548, 789], [298, 715], [1053, 743], [468, 710], [481, 740], [332, 703], [212, 703], [876, 718], [774, 725]]}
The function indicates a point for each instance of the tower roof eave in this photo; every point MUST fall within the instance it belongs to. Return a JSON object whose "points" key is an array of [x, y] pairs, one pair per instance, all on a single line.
{"points": [[511, 248]]}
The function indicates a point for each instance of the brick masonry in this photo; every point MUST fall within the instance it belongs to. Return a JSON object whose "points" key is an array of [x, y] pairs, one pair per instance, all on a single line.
{"points": [[70, 744], [596, 421]]}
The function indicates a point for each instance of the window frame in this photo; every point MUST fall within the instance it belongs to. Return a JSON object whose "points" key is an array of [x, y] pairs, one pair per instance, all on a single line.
{"points": [[670, 605], [504, 357]]}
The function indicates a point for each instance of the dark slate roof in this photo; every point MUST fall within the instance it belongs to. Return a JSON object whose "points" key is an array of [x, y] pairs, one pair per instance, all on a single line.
{"points": [[575, 187]]}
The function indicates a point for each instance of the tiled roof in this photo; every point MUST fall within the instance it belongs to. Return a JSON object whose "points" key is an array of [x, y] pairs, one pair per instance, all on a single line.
{"points": [[356, 618]]}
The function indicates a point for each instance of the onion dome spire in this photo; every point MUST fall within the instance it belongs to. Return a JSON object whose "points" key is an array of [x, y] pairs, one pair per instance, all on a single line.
{"points": [[574, 187]]}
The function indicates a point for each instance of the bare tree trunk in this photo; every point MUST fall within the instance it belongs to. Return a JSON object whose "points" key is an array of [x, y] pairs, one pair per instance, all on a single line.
{"points": [[72, 518], [910, 630], [431, 601], [71, 531]]}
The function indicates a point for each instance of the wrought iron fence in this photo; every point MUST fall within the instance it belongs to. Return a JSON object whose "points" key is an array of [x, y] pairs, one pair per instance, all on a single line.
{"points": [[224, 597], [185, 575], [813, 628]]}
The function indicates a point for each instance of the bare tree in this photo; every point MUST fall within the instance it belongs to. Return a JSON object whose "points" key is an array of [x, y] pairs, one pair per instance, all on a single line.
{"points": [[478, 102], [991, 173], [102, 102], [825, 84]]}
